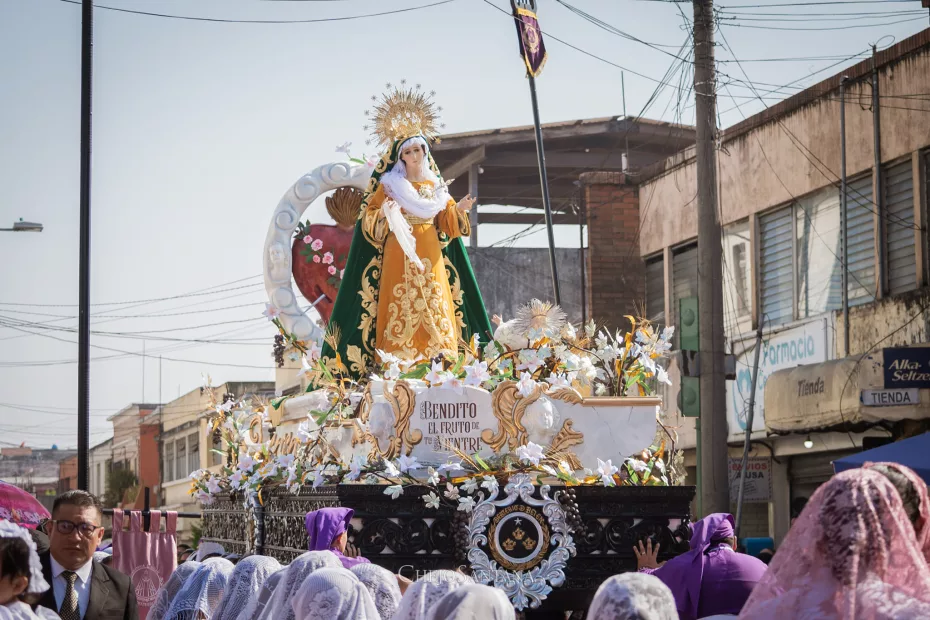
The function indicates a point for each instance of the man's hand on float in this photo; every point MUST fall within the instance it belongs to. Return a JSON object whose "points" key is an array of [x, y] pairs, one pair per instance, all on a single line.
{"points": [[466, 203]]}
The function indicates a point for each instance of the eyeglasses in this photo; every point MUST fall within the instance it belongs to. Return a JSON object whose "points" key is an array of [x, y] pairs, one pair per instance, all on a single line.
{"points": [[67, 527]]}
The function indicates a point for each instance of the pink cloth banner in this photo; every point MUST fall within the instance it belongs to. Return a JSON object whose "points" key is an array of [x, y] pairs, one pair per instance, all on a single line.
{"points": [[149, 557]]}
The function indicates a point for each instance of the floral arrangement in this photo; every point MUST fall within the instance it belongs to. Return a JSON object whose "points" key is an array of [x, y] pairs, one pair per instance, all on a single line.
{"points": [[538, 346], [314, 252]]}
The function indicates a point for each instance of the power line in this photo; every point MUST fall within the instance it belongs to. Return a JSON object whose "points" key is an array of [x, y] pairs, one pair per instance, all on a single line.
{"points": [[850, 27], [261, 21], [141, 301]]}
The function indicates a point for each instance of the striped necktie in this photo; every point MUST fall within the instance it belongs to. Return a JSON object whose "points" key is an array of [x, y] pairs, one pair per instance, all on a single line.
{"points": [[70, 609]]}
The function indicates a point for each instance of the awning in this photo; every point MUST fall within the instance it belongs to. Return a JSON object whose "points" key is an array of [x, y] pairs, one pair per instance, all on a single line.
{"points": [[828, 395], [913, 452]]}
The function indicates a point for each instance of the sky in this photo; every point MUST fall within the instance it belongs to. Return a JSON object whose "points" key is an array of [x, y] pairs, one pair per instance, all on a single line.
{"points": [[201, 126]]}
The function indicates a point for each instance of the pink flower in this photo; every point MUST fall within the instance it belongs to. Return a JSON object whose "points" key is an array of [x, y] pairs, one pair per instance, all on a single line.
{"points": [[316, 258], [328, 258], [372, 162], [317, 245], [332, 270], [308, 239]]}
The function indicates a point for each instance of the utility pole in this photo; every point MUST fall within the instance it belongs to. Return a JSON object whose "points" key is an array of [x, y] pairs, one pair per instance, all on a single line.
{"points": [[83, 405], [715, 490]]}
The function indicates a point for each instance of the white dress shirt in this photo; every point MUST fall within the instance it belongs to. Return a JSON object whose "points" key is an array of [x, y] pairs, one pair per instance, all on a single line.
{"points": [[81, 584]]}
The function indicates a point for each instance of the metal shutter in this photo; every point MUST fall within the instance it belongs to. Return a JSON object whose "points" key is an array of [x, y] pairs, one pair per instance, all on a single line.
{"points": [[655, 290], [684, 279], [860, 226], [899, 228], [776, 267]]}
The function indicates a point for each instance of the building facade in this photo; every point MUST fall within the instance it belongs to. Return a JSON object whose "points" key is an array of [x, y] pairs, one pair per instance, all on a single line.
{"points": [[100, 462], [780, 205], [185, 446]]}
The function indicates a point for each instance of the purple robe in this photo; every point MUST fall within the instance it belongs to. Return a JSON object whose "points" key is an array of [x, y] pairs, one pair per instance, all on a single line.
{"points": [[323, 526], [711, 578]]}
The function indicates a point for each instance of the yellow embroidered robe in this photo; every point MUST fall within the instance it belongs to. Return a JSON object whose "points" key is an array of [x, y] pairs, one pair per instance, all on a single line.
{"points": [[417, 311]]}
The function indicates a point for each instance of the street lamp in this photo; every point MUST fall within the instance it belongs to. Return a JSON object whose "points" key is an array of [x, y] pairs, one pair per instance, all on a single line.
{"points": [[22, 226]]}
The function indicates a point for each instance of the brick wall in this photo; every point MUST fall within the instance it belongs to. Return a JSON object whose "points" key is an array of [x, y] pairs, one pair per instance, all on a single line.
{"points": [[616, 275]]}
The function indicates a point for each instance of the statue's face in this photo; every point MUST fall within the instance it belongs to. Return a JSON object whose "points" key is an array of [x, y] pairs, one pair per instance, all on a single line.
{"points": [[412, 156]]}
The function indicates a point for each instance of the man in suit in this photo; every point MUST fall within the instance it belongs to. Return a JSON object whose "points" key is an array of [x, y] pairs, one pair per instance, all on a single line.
{"points": [[82, 589]]}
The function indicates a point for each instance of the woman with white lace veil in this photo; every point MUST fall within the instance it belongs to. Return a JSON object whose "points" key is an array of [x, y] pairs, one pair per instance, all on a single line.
{"points": [[423, 594], [333, 594], [473, 601], [279, 607], [21, 580], [201, 593], [245, 583], [382, 585], [256, 605], [633, 596], [170, 589]]}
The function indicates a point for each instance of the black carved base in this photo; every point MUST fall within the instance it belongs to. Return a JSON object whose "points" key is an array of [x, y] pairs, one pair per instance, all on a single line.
{"points": [[405, 537]]}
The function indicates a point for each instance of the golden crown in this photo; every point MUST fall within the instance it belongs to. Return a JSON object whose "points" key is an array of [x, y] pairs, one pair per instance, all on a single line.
{"points": [[402, 112]]}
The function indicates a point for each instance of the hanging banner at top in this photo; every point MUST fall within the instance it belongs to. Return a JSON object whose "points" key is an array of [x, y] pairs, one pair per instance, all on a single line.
{"points": [[532, 47]]}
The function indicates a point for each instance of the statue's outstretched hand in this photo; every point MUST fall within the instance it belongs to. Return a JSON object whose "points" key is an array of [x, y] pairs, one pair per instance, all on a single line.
{"points": [[466, 203]]}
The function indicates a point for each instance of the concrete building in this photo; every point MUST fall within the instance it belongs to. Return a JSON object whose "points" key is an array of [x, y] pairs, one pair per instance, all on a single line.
{"points": [[780, 206], [185, 446], [34, 470], [135, 446], [68, 474], [100, 462]]}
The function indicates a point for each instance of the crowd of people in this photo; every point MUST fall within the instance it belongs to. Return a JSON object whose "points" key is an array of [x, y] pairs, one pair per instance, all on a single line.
{"points": [[858, 550]]}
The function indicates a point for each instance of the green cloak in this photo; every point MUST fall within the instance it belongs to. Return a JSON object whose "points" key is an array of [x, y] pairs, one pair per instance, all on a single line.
{"points": [[354, 318]]}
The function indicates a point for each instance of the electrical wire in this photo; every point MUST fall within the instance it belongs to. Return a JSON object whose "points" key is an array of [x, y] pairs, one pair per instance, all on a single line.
{"points": [[261, 21]]}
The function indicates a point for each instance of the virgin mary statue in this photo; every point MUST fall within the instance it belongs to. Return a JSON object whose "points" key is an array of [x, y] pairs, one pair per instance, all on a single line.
{"points": [[408, 289]]}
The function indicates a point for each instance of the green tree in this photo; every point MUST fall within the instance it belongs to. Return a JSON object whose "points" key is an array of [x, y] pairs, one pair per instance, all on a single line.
{"points": [[118, 482]]}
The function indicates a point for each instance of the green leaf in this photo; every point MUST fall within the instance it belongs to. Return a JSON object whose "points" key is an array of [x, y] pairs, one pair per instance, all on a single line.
{"points": [[220, 452], [481, 462], [418, 372], [320, 416], [277, 402]]}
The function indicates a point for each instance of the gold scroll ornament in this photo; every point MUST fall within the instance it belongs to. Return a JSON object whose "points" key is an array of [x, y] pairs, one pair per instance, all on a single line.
{"points": [[402, 401], [510, 406]]}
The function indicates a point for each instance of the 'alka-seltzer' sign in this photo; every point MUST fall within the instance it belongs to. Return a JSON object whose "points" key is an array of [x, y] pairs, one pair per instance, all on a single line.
{"points": [[907, 367]]}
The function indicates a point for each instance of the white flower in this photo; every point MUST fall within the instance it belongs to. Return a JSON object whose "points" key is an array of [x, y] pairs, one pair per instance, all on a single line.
{"points": [[637, 465], [558, 380], [306, 429], [446, 468], [530, 453], [469, 486], [600, 389], [529, 360], [213, 486], [406, 463], [395, 491], [548, 469], [431, 500], [314, 351], [476, 373], [390, 469], [246, 462], [237, 479], [226, 407], [436, 375], [453, 383], [526, 385], [451, 492], [433, 477], [344, 148], [490, 483], [667, 334], [318, 477], [572, 362], [355, 469], [662, 375], [388, 358], [606, 470], [393, 372], [466, 504], [284, 461], [206, 498], [647, 362], [271, 312]]}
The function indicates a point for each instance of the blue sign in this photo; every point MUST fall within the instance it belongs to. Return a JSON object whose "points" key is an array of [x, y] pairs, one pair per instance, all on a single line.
{"points": [[907, 367]]}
